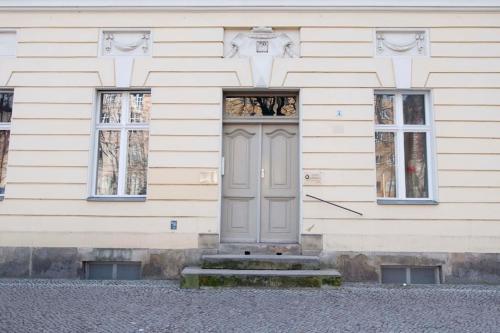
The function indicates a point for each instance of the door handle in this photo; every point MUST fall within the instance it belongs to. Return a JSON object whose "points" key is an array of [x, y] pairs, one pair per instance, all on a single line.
{"points": [[262, 173]]}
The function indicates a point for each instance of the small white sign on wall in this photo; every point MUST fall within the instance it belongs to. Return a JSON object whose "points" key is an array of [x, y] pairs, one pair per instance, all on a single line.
{"points": [[8, 43], [312, 178], [208, 177]]}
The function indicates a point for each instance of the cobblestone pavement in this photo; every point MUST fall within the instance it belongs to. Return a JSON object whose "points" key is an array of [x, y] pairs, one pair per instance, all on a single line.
{"points": [[160, 306]]}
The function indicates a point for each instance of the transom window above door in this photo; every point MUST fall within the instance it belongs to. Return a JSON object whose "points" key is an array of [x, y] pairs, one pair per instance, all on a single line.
{"points": [[260, 106]]}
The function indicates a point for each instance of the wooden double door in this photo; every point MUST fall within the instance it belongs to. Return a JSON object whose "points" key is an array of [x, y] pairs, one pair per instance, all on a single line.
{"points": [[260, 184]]}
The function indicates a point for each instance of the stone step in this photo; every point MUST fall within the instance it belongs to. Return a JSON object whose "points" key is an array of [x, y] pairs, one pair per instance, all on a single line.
{"points": [[260, 261], [260, 248], [196, 277]]}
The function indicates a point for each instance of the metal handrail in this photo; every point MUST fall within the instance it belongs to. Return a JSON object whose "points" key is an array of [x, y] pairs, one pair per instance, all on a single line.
{"points": [[331, 203]]}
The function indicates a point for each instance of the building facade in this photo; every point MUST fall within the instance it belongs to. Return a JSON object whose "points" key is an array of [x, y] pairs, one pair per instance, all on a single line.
{"points": [[154, 134]]}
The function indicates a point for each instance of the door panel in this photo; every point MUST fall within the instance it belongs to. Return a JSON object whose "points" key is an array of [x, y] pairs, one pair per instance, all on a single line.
{"points": [[260, 184], [240, 185], [279, 184]]}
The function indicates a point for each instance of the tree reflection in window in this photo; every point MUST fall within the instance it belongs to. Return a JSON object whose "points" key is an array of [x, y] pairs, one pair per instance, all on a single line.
{"points": [[414, 109], [416, 165], [385, 154], [6, 99], [111, 106], [6, 107], [137, 162], [263, 106], [108, 157], [384, 109]]}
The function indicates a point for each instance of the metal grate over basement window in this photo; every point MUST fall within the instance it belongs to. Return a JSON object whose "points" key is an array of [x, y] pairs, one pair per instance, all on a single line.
{"points": [[411, 274], [106, 270]]}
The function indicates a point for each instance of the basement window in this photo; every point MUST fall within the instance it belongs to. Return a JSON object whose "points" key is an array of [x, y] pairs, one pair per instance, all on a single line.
{"points": [[411, 274], [106, 270]]}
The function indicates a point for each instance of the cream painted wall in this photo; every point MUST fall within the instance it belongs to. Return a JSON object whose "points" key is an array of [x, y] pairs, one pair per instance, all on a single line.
{"points": [[57, 71]]}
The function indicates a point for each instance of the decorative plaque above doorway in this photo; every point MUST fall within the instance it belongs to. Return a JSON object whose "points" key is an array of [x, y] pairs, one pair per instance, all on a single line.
{"points": [[261, 45]]}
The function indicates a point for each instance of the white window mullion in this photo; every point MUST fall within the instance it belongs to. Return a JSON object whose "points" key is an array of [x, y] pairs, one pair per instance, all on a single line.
{"points": [[400, 166], [123, 162], [430, 163], [122, 169], [96, 157], [399, 137], [431, 152]]}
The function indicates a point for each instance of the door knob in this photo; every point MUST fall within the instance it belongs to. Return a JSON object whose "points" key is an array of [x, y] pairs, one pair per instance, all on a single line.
{"points": [[262, 173]]}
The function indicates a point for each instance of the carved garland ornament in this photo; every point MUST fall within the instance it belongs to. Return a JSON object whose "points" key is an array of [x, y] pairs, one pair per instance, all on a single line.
{"points": [[418, 42], [111, 42]]}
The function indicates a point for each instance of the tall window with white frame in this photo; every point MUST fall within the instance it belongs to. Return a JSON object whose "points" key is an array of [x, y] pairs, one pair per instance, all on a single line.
{"points": [[122, 137], [6, 99], [403, 135]]}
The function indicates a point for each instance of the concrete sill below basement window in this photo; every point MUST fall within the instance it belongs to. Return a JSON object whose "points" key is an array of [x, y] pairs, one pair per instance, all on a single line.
{"points": [[117, 199], [406, 202]]}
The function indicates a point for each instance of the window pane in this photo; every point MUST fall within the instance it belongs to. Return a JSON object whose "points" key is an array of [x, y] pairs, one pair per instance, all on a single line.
{"points": [[137, 162], [140, 107], [6, 107], [394, 275], [100, 271], [4, 150], [386, 167], [414, 109], [384, 109], [111, 107], [128, 271], [108, 156], [423, 275], [274, 106], [416, 165]]}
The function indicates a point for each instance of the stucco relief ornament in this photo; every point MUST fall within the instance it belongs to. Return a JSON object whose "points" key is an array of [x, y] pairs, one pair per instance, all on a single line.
{"points": [[261, 45], [124, 46], [418, 42], [112, 43]]}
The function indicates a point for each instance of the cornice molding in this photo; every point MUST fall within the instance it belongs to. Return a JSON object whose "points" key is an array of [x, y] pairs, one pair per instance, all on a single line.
{"points": [[265, 5]]}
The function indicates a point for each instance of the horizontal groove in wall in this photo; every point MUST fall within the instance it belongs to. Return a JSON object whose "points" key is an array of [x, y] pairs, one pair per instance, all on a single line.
{"points": [[396, 219]]}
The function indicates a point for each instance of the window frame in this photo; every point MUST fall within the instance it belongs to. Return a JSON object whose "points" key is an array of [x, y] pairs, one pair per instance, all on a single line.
{"points": [[123, 126], [7, 127], [88, 264], [438, 277], [399, 128]]}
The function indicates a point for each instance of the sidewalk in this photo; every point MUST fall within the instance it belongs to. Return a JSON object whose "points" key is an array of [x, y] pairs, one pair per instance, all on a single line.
{"points": [[161, 306]]}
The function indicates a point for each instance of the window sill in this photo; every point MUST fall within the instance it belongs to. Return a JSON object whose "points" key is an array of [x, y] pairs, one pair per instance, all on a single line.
{"points": [[117, 199], [406, 202]]}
